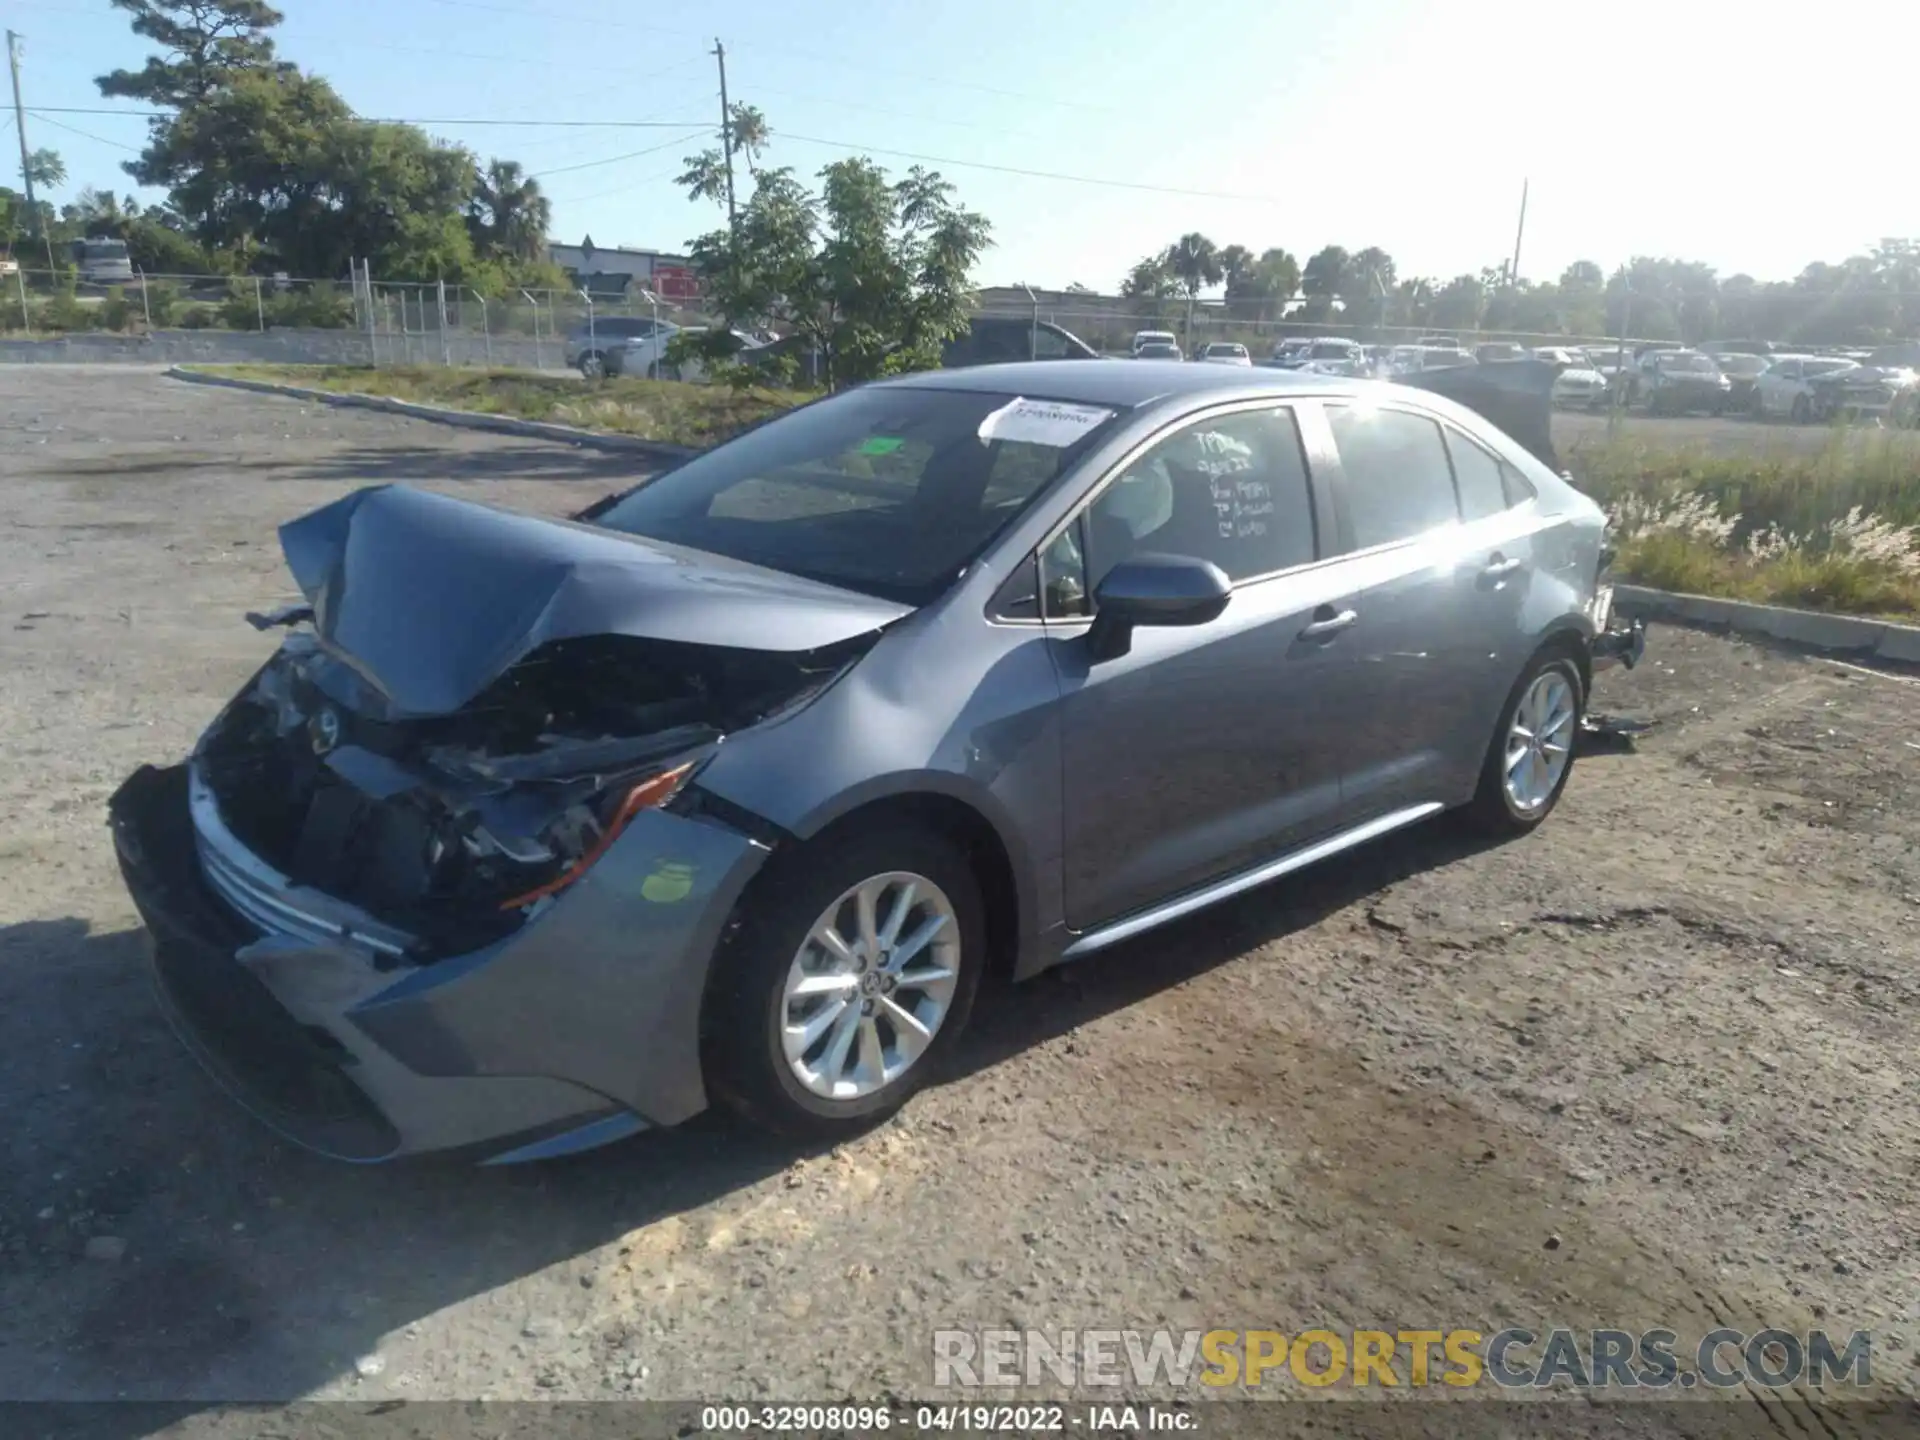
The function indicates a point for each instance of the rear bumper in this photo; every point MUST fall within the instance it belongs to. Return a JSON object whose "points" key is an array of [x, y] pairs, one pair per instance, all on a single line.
{"points": [[578, 1029]]}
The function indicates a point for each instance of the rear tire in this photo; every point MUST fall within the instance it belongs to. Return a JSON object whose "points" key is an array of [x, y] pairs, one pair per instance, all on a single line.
{"points": [[1802, 410], [753, 1018], [1546, 702]]}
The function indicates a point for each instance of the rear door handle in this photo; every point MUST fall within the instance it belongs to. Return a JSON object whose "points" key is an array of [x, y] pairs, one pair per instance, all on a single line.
{"points": [[1502, 565], [1331, 625]]}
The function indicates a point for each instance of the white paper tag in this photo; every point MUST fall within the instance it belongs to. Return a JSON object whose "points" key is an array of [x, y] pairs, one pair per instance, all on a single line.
{"points": [[1042, 422]]}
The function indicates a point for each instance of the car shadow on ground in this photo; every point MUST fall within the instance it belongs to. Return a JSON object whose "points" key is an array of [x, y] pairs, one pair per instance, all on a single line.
{"points": [[157, 1245], [391, 464]]}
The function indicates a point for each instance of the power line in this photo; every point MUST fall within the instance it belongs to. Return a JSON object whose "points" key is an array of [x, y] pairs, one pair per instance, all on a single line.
{"points": [[1021, 170], [616, 159], [404, 120], [696, 126], [83, 134], [789, 51]]}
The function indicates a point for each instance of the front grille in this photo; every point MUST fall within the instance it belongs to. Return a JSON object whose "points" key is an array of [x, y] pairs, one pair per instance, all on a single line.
{"points": [[270, 901]]}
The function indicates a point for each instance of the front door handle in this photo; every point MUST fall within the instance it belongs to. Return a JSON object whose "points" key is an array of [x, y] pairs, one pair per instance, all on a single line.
{"points": [[1330, 625], [1501, 566]]}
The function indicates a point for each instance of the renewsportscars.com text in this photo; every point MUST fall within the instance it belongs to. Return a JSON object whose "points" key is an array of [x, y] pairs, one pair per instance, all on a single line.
{"points": [[1509, 1359]]}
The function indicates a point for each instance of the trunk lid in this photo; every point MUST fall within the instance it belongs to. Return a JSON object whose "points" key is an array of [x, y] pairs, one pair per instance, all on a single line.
{"points": [[1516, 395], [431, 598]]}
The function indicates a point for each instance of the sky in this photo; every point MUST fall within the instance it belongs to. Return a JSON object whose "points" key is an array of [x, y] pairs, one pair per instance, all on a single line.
{"points": [[1753, 138]]}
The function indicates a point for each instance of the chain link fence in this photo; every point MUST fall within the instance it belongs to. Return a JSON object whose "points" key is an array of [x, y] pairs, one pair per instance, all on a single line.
{"points": [[351, 321], [366, 320]]}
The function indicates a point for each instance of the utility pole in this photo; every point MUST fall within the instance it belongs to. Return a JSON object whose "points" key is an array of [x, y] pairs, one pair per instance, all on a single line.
{"points": [[26, 164], [726, 126], [1513, 275]]}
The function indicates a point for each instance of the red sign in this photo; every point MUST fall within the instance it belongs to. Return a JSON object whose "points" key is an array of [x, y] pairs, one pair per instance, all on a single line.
{"points": [[675, 282]]}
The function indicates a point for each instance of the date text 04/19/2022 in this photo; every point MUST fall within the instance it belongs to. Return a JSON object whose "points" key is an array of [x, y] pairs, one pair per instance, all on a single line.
{"points": [[961, 1419]]}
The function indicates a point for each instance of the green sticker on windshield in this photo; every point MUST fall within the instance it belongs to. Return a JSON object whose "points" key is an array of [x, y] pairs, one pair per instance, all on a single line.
{"points": [[880, 444]]}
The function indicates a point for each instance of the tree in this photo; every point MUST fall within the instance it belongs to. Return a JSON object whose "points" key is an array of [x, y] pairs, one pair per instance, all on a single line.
{"points": [[876, 275], [1369, 279], [750, 133], [507, 216], [1266, 285], [1323, 281], [1194, 262], [1458, 304], [46, 169], [1325, 276], [1150, 284], [1236, 262], [205, 43], [705, 177]]}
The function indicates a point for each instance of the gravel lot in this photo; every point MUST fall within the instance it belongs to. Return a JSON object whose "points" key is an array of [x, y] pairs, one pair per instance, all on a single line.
{"points": [[1653, 1066]]}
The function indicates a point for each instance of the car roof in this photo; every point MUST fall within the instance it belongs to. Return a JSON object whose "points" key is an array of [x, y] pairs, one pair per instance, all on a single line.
{"points": [[1113, 382]]}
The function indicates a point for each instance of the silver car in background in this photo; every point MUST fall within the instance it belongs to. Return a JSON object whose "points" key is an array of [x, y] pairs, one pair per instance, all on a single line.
{"points": [[532, 834]]}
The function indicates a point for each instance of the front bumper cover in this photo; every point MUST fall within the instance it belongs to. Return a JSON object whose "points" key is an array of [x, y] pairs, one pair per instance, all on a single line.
{"points": [[579, 1028], [1619, 644]]}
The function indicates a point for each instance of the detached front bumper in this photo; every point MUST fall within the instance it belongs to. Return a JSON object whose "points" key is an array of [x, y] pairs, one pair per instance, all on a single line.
{"points": [[1619, 644], [579, 1028]]}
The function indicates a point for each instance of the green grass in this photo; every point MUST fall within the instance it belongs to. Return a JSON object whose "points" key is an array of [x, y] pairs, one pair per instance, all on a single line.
{"points": [[651, 409]]}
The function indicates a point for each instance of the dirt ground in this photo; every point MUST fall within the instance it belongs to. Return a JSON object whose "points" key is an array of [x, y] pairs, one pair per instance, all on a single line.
{"points": [[1653, 1066]]}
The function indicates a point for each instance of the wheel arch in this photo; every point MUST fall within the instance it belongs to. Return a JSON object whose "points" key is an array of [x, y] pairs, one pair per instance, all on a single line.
{"points": [[998, 856]]}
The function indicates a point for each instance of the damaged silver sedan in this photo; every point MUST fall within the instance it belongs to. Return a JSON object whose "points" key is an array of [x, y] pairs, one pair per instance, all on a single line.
{"points": [[533, 834]]}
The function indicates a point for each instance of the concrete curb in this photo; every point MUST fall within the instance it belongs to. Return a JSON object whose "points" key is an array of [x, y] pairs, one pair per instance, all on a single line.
{"points": [[443, 415], [1881, 639]]}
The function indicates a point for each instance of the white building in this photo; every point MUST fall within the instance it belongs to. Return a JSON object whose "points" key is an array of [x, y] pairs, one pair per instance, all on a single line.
{"points": [[612, 270]]}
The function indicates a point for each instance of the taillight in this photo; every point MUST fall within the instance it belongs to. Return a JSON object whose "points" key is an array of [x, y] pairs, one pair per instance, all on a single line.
{"points": [[649, 794]]}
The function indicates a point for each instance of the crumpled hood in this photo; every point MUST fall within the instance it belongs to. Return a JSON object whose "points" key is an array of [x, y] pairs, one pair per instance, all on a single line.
{"points": [[432, 598]]}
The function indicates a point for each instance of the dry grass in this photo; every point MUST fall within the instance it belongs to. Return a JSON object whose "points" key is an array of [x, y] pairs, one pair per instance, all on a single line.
{"points": [[1832, 529], [651, 409]]}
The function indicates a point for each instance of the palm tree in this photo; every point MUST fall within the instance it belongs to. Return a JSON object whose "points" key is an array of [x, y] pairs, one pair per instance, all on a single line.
{"points": [[510, 216], [750, 132], [1194, 261]]}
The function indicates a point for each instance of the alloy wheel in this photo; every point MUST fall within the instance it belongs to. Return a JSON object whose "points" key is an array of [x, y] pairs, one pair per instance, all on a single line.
{"points": [[870, 986], [1539, 742]]}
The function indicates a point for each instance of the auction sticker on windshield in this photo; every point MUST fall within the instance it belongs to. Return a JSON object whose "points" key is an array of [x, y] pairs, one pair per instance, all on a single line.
{"points": [[1042, 422]]}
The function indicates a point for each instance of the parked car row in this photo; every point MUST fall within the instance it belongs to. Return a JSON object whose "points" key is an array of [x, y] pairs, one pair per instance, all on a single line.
{"points": [[1664, 378], [1668, 379]]}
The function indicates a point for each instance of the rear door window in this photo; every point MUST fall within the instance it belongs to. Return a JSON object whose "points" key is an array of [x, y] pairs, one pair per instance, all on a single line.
{"points": [[1476, 478], [1398, 484]]}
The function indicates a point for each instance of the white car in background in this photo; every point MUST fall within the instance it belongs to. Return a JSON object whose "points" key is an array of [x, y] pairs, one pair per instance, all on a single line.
{"points": [[1786, 386], [1144, 338], [1577, 382], [1221, 352]]}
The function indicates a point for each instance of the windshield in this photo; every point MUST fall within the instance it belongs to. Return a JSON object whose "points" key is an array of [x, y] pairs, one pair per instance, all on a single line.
{"points": [[1160, 351], [1691, 364], [1826, 367], [1332, 350], [1744, 365], [103, 249], [891, 492]]}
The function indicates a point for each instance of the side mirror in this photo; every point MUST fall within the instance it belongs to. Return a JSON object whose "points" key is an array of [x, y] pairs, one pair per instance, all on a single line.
{"points": [[1154, 590]]}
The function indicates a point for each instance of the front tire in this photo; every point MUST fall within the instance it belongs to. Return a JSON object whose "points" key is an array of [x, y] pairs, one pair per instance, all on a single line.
{"points": [[1531, 755], [1802, 410], [849, 982], [593, 366]]}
